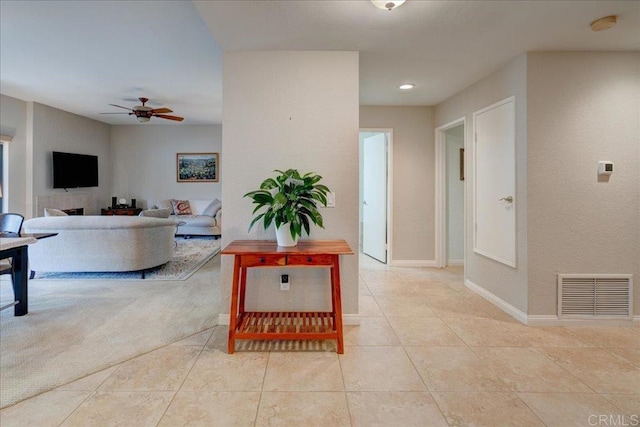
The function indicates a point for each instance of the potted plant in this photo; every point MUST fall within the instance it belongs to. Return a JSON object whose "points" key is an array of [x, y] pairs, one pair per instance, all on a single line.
{"points": [[289, 200]]}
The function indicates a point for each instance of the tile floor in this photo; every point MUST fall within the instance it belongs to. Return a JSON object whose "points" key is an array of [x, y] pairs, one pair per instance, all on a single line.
{"points": [[428, 352]]}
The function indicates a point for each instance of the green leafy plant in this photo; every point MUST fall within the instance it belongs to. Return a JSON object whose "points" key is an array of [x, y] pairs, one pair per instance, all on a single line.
{"points": [[290, 198]]}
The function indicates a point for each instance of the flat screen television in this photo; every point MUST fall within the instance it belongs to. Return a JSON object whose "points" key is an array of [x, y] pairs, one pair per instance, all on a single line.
{"points": [[72, 170]]}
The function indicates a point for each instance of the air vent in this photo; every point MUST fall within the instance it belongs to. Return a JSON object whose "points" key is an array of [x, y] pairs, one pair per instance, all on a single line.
{"points": [[599, 296]]}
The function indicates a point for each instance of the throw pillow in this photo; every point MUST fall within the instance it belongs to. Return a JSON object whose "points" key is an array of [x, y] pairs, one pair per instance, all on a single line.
{"points": [[156, 213], [54, 212], [168, 203], [181, 207], [213, 208]]}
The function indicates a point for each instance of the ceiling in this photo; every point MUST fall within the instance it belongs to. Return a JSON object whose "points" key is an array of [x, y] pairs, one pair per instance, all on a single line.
{"points": [[82, 56]]}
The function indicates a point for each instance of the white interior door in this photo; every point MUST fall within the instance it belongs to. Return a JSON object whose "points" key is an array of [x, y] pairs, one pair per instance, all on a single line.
{"points": [[495, 182], [374, 197]]}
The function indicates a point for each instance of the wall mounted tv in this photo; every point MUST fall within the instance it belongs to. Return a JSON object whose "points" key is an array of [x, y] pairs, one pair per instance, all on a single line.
{"points": [[74, 170]]}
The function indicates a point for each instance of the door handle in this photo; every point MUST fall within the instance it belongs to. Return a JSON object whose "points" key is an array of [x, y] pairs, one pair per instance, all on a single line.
{"points": [[507, 199]]}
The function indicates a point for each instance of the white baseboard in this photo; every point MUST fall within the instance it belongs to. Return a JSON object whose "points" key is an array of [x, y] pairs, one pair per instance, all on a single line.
{"points": [[413, 263], [455, 262], [546, 319], [347, 319], [498, 302]]}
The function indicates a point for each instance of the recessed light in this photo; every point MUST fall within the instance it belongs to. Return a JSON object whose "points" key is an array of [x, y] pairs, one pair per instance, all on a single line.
{"points": [[407, 86]]}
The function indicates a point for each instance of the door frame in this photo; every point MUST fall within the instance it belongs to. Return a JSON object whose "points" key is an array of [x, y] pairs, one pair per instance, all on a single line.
{"points": [[441, 192], [389, 131]]}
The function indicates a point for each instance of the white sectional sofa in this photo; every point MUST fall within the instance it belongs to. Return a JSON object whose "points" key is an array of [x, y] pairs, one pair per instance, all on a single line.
{"points": [[205, 218], [100, 243]]}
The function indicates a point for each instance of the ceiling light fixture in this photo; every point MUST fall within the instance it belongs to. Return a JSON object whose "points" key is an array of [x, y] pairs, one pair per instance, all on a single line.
{"points": [[604, 23], [387, 4], [143, 119], [407, 86]]}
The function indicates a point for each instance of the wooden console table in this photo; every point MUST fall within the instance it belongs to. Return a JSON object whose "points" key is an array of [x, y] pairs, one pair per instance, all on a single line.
{"points": [[285, 325], [121, 211]]}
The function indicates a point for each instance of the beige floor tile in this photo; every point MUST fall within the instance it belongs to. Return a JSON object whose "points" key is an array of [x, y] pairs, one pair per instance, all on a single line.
{"points": [[210, 408], [90, 382], [368, 306], [199, 339], [488, 332], [454, 369], [485, 409], [431, 287], [303, 409], [363, 290], [553, 337], [311, 371], [383, 275], [379, 369], [400, 288], [571, 409], [218, 371], [121, 408], [608, 336], [628, 403], [424, 331], [455, 306], [383, 409], [600, 370], [526, 370], [47, 409], [631, 355], [162, 369], [404, 306], [371, 331]]}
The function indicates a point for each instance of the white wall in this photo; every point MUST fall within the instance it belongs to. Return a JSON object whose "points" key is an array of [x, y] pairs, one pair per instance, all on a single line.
{"points": [[291, 110], [582, 107], [505, 282], [13, 122], [144, 161], [413, 177], [57, 130], [454, 141]]}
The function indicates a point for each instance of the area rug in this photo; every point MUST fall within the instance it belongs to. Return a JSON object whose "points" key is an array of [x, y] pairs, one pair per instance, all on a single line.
{"points": [[189, 255], [78, 327]]}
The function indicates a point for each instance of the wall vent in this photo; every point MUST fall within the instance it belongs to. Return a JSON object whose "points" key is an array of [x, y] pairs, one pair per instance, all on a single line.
{"points": [[601, 296]]}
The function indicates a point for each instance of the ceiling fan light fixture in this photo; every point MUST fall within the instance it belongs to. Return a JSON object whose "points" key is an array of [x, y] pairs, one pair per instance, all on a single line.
{"points": [[387, 4], [604, 23], [143, 119], [407, 86]]}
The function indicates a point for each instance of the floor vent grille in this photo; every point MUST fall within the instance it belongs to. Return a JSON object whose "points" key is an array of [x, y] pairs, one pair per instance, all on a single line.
{"points": [[595, 296]]}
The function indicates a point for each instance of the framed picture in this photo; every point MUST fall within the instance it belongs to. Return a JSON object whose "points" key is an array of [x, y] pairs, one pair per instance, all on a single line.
{"points": [[197, 167]]}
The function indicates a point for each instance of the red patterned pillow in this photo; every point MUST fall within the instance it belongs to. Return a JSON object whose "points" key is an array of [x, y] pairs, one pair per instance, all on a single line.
{"points": [[181, 207]]}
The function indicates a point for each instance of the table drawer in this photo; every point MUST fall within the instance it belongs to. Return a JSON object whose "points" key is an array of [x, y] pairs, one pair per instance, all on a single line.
{"points": [[310, 259], [262, 260]]}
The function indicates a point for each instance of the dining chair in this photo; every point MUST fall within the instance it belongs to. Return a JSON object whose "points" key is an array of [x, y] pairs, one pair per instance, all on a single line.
{"points": [[10, 226]]}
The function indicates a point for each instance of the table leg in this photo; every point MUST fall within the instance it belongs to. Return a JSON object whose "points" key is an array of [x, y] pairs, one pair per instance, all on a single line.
{"points": [[233, 310], [337, 301], [20, 282], [243, 290]]}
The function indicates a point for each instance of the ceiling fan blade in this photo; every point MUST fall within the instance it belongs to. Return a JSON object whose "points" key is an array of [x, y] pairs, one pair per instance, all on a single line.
{"points": [[164, 116], [161, 110], [120, 106], [116, 113]]}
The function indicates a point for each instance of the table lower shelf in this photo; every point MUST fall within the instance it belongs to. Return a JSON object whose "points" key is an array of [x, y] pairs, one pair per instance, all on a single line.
{"points": [[258, 325]]}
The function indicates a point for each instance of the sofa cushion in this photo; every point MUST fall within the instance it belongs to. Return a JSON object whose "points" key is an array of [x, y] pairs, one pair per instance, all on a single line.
{"points": [[197, 220], [181, 207], [167, 203], [156, 213], [213, 208], [54, 212]]}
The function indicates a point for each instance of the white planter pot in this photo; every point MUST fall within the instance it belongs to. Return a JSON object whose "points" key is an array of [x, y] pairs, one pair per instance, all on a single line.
{"points": [[283, 236]]}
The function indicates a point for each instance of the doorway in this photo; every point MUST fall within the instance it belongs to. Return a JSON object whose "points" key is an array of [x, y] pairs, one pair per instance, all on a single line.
{"points": [[375, 193], [450, 194]]}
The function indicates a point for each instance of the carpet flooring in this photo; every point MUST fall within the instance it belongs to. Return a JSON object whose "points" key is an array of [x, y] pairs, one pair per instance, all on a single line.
{"points": [[77, 327], [189, 255]]}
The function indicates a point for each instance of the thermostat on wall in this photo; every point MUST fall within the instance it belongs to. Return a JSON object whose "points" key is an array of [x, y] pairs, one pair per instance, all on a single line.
{"points": [[605, 167]]}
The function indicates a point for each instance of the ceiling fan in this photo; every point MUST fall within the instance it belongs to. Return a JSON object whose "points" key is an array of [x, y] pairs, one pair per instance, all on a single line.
{"points": [[144, 113]]}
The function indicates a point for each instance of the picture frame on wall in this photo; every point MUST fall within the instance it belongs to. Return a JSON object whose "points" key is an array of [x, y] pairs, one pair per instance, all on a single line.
{"points": [[197, 167]]}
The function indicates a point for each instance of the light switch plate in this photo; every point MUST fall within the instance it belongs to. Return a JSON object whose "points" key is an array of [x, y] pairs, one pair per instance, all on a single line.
{"points": [[331, 200]]}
